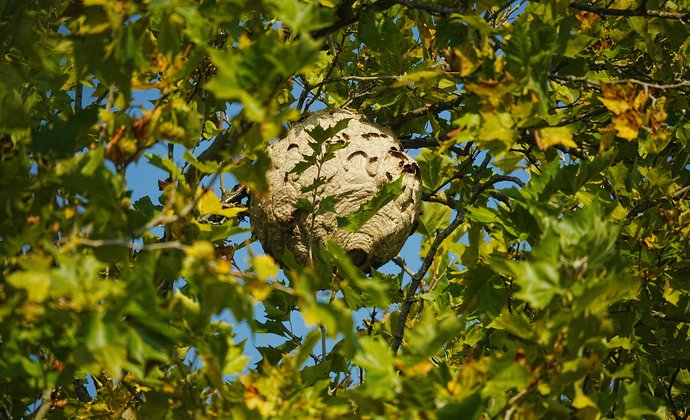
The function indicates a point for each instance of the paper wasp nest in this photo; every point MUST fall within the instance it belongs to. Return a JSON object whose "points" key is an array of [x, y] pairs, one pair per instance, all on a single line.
{"points": [[367, 157]]}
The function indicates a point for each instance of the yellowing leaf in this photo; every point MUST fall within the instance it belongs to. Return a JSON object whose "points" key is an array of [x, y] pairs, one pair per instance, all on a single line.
{"points": [[222, 266], [200, 250], [235, 361], [551, 136], [464, 60], [265, 267], [188, 304], [36, 283], [497, 126], [419, 369], [417, 76], [640, 99], [626, 128], [615, 105], [672, 295], [650, 241], [427, 33], [619, 341], [327, 3], [209, 203], [581, 400], [259, 290]]}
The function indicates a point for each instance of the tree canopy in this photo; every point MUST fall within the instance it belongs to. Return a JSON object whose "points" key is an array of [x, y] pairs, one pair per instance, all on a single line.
{"points": [[552, 139]]}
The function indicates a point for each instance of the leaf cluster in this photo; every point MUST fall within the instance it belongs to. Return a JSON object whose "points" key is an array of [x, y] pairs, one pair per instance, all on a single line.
{"points": [[553, 240]]}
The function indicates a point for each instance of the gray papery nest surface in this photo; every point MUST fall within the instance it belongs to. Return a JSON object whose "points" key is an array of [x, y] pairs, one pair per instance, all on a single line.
{"points": [[370, 158]]}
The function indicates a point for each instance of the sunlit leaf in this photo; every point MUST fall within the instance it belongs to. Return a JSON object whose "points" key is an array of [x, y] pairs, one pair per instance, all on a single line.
{"points": [[553, 136], [209, 203], [385, 195]]}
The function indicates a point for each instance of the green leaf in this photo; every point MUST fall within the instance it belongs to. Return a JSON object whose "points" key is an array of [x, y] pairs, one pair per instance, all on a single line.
{"points": [[552, 136], [375, 357], [320, 134], [481, 214], [35, 283], [432, 332], [64, 137], [498, 126], [576, 44], [358, 290], [435, 169], [301, 17], [516, 324], [418, 76], [539, 281], [145, 207], [353, 221], [505, 374], [206, 167], [165, 164], [638, 404], [434, 216], [469, 408]]}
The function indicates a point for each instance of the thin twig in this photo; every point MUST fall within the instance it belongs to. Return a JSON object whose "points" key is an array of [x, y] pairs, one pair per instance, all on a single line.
{"points": [[78, 96], [669, 392], [642, 12], [585, 116], [380, 78], [670, 318], [330, 70], [517, 397], [595, 84], [401, 263], [492, 17], [458, 173], [126, 243], [434, 9], [648, 204], [420, 112], [297, 339]]}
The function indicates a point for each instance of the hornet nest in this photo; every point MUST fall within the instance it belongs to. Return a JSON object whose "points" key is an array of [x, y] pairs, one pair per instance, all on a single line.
{"points": [[364, 158]]}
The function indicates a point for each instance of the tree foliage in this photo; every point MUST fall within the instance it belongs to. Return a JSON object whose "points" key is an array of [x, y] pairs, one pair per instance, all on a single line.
{"points": [[554, 236]]}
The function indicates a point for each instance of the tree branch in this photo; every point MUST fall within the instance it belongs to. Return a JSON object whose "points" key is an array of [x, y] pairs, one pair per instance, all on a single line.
{"points": [[125, 243], [585, 116], [434, 9], [429, 259], [419, 275], [595, 84], [648, 204], [46, 399], [418, 143], [670, 318], [420, 112], [642, 12], [346, 16]]}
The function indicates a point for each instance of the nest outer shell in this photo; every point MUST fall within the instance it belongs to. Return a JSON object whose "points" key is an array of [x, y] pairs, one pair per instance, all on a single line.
{"points": [[370, 159]]}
